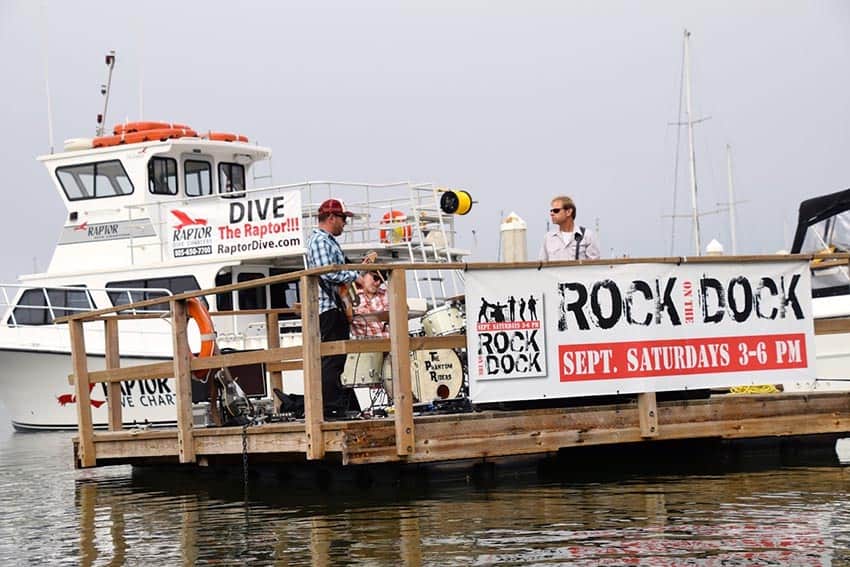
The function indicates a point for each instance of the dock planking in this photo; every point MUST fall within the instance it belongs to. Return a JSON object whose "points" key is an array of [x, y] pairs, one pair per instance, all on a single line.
{"points": [[492, 433]]}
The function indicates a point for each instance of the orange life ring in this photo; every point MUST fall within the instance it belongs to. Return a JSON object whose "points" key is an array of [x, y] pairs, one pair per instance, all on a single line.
{"points": [[225, 137], [198, 312], [143, 136], [402, 232], [129, 127]]}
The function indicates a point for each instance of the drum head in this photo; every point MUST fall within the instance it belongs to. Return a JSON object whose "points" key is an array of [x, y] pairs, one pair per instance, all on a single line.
{"points": [[434, 374], [444, 320], [362, 369]]}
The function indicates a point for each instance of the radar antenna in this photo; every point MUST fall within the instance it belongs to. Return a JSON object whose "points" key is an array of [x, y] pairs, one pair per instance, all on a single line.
{"points": [[104, 90]]}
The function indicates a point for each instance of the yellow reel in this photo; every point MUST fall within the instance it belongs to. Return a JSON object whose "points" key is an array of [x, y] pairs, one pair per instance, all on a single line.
{"points": [[456, 202]]}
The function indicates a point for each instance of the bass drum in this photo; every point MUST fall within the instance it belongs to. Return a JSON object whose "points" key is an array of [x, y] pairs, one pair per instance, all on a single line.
{"points": [[362, 369], [434, 375]]}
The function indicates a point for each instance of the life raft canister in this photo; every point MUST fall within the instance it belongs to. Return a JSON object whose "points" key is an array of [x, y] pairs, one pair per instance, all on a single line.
{"points": [[225, 137], [198, 312], [160, 134], [130, 127], [401, 232]]}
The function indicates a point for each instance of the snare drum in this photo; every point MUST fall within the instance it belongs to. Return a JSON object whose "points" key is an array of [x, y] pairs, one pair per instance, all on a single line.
{"points": [[434, 375], [362, 369], [444, 320]]}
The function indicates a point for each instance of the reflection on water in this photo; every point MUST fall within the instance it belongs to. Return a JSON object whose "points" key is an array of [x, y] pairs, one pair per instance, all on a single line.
{"points": [[53, 514]]}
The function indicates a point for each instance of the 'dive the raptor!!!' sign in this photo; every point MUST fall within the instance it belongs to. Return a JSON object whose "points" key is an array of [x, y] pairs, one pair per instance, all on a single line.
{"points": [[626, 328], [259, 223]]}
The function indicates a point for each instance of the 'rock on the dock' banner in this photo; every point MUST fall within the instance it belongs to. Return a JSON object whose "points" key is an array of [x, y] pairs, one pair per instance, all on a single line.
{"points": [[589, 330]]}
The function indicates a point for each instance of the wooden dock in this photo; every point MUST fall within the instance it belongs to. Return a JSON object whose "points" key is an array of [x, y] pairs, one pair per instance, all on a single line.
{"points": [[488, 434], [404, 436]]}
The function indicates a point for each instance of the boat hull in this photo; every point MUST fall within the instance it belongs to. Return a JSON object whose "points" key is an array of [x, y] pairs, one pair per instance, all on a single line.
{"points": [[35, 391], [832, 366]]}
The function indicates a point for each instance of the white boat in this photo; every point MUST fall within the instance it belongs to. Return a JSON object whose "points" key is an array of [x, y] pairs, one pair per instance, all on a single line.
{"points": [[177, 212]]}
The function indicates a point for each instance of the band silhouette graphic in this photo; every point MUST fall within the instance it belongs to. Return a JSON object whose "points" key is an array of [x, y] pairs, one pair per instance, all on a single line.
{"points": [[495, 312]]}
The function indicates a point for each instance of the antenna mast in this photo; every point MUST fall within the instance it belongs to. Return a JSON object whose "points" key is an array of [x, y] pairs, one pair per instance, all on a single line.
{"points": [[691, 156], [47, 76], [104, 90], [731, 199]]}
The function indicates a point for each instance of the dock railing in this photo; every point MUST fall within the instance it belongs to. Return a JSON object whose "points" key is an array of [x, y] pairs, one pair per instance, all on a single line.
{"points": [[277, 359]]}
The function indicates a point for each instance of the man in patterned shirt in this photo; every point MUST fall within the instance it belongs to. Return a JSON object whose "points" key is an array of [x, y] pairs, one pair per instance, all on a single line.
{"points": [[324, 250]]}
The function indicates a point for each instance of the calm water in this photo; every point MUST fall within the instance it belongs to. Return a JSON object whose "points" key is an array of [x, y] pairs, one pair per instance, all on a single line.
{"points": [[52, 514]]}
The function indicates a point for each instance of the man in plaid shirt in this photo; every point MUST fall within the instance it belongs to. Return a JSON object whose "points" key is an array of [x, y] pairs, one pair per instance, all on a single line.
{"points": [[324, 250]]}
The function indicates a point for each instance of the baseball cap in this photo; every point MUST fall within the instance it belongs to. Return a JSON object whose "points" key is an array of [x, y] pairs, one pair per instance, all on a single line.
{"points": [[334, 207]]}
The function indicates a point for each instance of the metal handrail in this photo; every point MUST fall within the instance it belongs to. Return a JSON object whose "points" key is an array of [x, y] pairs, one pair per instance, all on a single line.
{"points": [[68, 310]]}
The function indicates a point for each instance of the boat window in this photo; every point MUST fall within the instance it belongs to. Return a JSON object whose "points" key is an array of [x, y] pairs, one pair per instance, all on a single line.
{"points": [[67, 302], [94, 180], [162, 176], [224, 301], [41, 306], [198, 178], [254, 298], [284, 294], [131, 291], [231, 180]]}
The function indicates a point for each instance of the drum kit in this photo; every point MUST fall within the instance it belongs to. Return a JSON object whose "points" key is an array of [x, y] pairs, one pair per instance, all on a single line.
{"points": [[437, 374]]}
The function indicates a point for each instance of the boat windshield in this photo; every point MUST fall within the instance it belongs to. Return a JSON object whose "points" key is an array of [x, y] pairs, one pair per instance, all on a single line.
{"points": [[831, 234]]}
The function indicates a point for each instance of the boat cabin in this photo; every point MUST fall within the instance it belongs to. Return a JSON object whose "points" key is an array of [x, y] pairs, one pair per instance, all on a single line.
{"points": [[129, 197]]}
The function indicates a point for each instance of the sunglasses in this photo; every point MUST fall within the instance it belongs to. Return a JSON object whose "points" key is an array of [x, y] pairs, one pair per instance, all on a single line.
{"points": [[343, 217], [556, 211]]}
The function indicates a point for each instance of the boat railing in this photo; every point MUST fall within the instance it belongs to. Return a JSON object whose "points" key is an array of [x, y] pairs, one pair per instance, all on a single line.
{"points": [[373, 204], [53, 308], [402, 218]]}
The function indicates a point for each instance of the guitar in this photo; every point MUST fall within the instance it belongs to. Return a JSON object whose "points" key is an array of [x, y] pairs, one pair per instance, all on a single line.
{"points": [[348, 291]]}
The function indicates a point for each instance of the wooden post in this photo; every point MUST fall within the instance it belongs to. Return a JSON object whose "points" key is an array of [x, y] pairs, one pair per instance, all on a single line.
{"points": [[79, 362], [400, 352], [113, 360], [183, 379], [311, 337], [273, 341], [648, 412]]}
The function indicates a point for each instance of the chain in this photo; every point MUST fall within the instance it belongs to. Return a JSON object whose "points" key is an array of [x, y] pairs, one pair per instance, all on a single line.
{"points": [[245, 461]]}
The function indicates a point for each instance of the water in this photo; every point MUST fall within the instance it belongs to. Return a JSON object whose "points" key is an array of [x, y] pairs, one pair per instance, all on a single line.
{"points": [[52, 514]]}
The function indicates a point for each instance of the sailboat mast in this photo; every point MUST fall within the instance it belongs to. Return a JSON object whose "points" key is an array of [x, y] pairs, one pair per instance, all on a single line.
{"points": [[691, 155], [731, 199]]}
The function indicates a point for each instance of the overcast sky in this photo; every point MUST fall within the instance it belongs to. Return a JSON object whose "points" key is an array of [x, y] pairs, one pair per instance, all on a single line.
{"points": [[513, 101]]}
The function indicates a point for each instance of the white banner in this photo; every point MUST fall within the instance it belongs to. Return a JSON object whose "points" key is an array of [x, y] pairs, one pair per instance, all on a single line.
{"points": [[631, 328], [262, 223]]}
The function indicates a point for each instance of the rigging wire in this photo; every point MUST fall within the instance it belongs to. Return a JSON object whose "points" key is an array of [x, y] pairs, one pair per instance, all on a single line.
{"points": [[45, 55], [676, 161]]}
